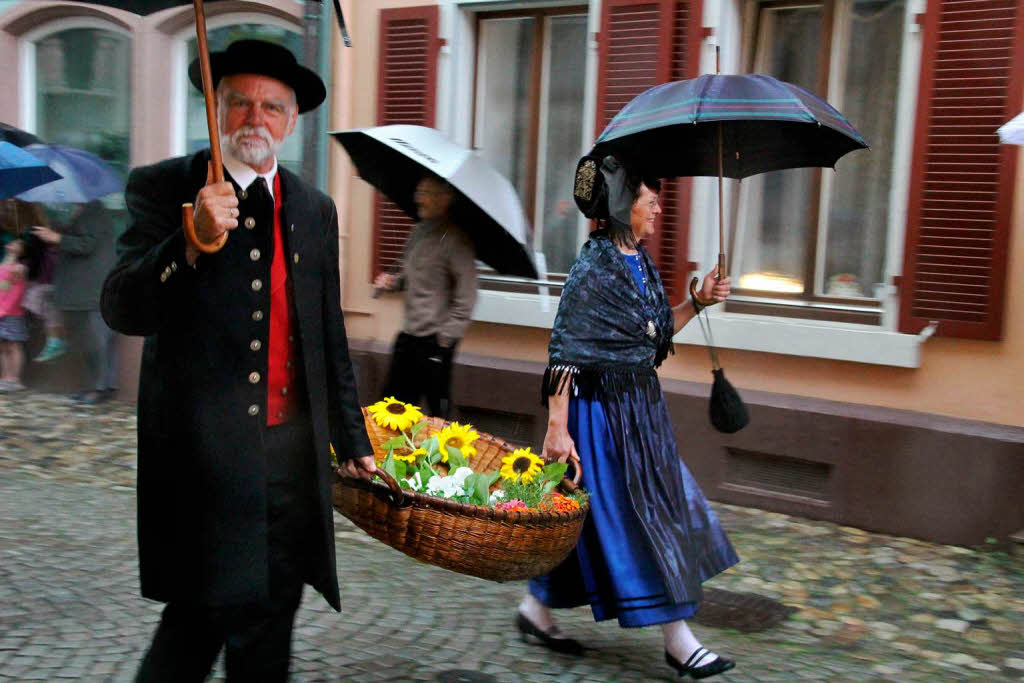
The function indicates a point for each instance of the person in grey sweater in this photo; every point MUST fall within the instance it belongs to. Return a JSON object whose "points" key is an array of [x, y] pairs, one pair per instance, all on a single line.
{"points": [[438, 275]]}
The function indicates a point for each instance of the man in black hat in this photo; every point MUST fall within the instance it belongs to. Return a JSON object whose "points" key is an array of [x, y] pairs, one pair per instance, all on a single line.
{"points": [[246, 381]]}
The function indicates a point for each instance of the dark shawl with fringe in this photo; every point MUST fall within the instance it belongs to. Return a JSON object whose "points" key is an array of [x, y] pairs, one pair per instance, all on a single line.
{"points": [[607, 335], [607, 341]]}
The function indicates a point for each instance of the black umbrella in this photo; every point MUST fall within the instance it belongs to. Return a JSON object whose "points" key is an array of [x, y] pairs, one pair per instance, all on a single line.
{"points": [[149, 7], [727, 126], [17, 136]]}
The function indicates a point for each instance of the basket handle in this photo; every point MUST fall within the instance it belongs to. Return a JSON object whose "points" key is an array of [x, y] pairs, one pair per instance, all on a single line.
{"points": [[397, 494], [571, 485]]}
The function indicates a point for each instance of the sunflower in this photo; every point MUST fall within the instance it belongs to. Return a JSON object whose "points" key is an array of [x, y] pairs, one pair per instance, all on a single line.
{"points": [[522, 465], [457, 436], [393, 414], [410, 457]]}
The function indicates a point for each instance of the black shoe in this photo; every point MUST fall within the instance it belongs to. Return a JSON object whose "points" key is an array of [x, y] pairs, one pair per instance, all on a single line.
{"points": [[551, 639], [693, 667]]}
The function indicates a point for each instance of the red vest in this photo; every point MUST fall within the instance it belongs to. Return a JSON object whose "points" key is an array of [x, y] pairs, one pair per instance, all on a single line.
{"points": [[283, 371]]}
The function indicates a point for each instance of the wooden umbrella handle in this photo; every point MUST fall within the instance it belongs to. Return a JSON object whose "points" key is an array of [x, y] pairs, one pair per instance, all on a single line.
{"points": [[188, 222], [187, 217]]}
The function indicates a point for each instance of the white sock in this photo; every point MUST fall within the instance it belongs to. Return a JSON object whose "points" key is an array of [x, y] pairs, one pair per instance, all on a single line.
{"points": [[534, 610], [681, 643]]}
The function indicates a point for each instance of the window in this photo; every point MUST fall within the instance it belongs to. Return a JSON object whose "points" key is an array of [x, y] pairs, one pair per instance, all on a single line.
{"points": [[83, 99], [83, 92], [810, 242], [529, 114], [197, 136]]}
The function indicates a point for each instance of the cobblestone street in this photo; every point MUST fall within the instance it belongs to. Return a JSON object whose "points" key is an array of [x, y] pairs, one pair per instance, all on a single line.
{"points": [[867, 606]]}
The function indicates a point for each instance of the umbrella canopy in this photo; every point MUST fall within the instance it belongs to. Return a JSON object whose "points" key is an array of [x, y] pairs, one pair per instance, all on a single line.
{"points": [[16, 136], [20, 171], [395, 158], [85, 176], [767, 125], [1012, 133]]}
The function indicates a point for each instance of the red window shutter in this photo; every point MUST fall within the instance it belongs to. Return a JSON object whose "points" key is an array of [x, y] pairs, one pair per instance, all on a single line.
{"points": [[643, 43], [406, 93], [962, 179]]}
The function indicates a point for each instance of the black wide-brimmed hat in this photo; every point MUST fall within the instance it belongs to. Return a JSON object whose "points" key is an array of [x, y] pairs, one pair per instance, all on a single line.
{"points": [[266, 59]]}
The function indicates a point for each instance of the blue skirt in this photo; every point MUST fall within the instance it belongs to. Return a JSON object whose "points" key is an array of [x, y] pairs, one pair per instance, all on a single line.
{"points": [[613, 568]]}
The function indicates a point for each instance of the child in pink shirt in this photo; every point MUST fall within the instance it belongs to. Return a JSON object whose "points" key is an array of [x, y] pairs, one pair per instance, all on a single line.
{"points": [[13, 328]]}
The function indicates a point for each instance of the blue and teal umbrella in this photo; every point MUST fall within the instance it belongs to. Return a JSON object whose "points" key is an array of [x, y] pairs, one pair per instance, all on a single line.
{"points": [[766, 125], [731, 126], [20, 171]]}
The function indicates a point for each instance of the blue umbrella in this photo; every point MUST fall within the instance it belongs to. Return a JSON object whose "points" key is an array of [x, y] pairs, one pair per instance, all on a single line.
{"points": [[20, 171], [85, 176]]}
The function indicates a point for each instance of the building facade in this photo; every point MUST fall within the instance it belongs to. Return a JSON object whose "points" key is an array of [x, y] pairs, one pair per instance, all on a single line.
{"points": [[876, 331]]}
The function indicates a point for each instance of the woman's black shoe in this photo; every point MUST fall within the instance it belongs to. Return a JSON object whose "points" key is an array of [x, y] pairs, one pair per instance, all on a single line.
{"points": [[551, 639], [693, 664]]}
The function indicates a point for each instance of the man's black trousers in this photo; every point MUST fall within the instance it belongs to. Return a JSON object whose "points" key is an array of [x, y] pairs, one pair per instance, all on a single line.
{"points": [[256, 637], [421, 367]]}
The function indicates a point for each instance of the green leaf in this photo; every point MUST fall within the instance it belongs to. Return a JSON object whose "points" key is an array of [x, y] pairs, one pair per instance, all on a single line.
{"points": [[455, 458], [389, 464], [400, 469], [481, 488], [396, 442], [417, 428], [554, 471], [548, 487]]}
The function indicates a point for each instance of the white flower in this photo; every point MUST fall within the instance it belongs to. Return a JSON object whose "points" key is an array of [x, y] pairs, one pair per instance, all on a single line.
{"points": [[445, 486], [496, 496], [460, 474], [415, 482]]}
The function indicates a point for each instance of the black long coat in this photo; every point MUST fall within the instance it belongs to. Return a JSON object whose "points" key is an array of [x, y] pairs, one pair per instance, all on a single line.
{"points": [[202, 489]]}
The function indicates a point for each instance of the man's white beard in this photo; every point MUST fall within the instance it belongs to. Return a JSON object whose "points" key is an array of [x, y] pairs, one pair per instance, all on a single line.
{"points": [[252, 153]]}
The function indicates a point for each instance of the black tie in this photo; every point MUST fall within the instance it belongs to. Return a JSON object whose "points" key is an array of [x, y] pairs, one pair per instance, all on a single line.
{"points": [[260, 194]]}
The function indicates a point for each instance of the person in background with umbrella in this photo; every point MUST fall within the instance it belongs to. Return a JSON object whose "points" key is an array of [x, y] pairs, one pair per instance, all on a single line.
{"points": [[85, 254], [246, 380], [438, 275], [651, 539]]}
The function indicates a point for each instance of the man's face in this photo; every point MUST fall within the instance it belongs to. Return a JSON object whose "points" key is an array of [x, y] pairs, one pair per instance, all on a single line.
{"points": [[433, 199], [257, 114]]}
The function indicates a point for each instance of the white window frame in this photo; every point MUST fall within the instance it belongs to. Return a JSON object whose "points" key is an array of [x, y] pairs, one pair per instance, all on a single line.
{"points": [[27, 77], [180, 83], [873, 344]]}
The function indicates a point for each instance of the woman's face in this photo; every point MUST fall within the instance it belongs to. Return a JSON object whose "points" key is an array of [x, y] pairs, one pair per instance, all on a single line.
{"points": [[644, 213], [433, 199], [15, 248]]}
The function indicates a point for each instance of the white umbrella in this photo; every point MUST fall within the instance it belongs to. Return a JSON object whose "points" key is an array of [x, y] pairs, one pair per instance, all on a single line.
{"points": [[1012, 133], [395, 158]]}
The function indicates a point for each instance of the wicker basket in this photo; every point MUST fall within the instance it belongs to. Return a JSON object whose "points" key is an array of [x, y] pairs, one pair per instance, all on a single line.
{"points": [[499, 545]]}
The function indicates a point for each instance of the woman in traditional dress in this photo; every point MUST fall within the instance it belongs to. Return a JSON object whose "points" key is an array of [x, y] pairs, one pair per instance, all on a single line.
{"points": [[651, 538]]}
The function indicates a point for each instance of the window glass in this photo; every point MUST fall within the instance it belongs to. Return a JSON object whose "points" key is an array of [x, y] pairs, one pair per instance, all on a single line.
{"points": [[83, 100], [826, 240], [776, 214], [560, 140], [529, 113], [859, 203], [503, 112]]}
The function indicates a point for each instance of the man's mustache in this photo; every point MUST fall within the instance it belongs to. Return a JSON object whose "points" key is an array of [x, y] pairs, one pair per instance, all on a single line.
{"points": [[259, 131]]}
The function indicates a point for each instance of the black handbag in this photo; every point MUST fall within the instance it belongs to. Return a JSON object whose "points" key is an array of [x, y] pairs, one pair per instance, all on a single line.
{"points": [[727, 411]]}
